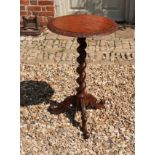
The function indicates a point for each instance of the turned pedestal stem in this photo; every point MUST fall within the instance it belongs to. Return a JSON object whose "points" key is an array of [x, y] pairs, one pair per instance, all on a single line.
{"points": [[82, 84]]}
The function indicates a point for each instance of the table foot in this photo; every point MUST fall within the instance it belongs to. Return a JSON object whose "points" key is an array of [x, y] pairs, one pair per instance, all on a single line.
{"points": [[84, 120], [92, 103], [67, 104]]}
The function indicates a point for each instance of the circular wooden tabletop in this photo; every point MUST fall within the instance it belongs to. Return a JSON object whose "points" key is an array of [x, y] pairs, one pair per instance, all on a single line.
{"points": [[82, 25]]}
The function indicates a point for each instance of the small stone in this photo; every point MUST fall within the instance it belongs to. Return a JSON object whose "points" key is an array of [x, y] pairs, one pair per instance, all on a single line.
{"points": [[111, 129]]}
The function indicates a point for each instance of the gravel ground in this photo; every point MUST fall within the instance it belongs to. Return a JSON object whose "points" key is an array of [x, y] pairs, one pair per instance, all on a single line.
{"points": [[111, 128]]}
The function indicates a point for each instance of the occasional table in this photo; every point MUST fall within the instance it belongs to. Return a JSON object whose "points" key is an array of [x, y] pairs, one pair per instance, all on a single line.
{"points": [[81, 26]]}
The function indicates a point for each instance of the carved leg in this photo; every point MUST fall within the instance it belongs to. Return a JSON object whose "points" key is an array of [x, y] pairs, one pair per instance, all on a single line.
{"points": [[92, 103], [84, 120], [67, 104]]}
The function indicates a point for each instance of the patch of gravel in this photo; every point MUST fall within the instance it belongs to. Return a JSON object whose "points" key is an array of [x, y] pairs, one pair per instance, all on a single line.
{"points": [[111, 129]]}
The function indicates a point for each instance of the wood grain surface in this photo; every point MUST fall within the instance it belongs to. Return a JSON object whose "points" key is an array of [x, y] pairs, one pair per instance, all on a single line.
{"points": [[82, 25]]}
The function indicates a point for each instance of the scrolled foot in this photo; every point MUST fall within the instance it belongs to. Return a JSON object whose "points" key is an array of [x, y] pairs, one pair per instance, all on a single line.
{"points": [[99, 105], [67, 104], [92, 103]]}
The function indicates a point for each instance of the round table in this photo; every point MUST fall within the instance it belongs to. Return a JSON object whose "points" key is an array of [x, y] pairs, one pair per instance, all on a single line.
{"points": [[81, 26]]}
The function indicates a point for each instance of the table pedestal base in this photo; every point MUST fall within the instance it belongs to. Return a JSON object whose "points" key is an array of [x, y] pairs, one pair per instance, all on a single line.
{"points": [[81, 100]]}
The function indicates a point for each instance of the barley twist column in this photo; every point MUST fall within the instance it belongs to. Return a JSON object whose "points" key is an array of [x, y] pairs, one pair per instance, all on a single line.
{"points": [[82, 84]]}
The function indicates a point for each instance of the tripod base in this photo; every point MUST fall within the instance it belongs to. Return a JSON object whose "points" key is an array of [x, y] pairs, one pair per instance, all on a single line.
{"points": [[72, 102]]}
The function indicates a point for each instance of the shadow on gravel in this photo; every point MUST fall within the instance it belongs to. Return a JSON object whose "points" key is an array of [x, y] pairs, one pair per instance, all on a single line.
{"points": [[35, 92]]}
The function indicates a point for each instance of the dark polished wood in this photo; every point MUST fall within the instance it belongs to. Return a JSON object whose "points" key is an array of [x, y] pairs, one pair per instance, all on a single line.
{"points": [[82, 99], [81, 26]]}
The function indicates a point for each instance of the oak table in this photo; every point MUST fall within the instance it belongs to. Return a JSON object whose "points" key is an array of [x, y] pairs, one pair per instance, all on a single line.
{"points": [[81, 26]]}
